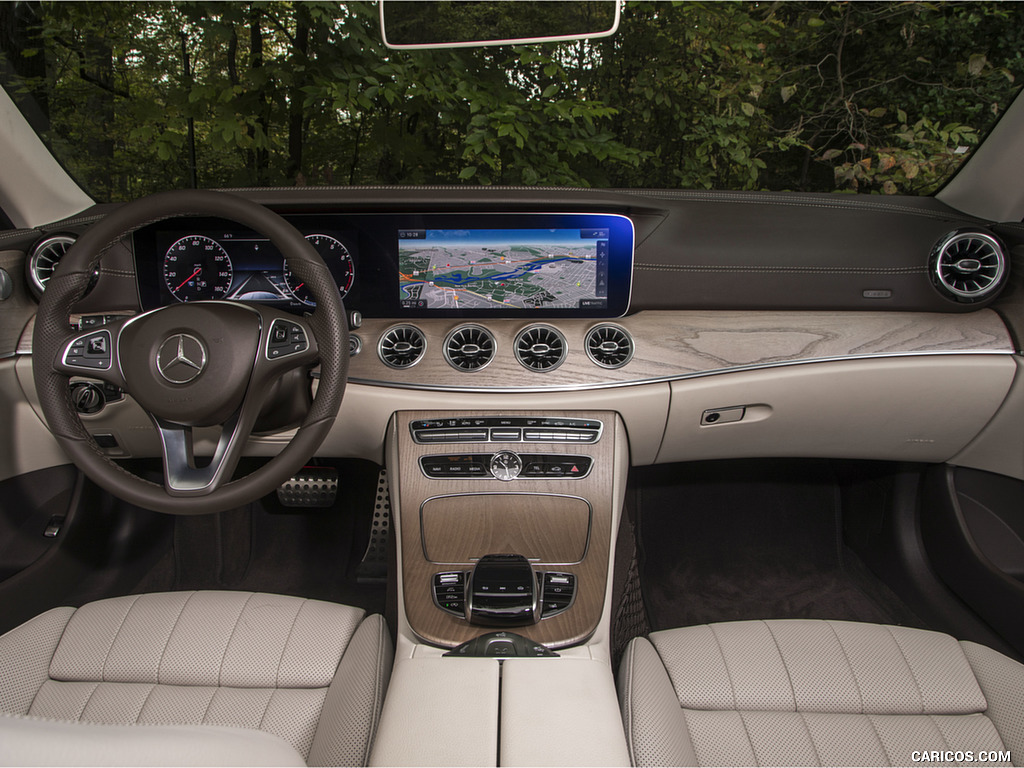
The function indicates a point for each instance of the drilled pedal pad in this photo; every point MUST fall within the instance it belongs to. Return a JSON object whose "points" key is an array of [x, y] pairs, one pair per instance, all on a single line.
{"points": [[311, 487]]}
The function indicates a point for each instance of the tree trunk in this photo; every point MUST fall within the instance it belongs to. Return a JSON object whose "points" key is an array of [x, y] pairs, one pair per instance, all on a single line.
{"points": [[259, 157], [300, 65], [19, 32]]}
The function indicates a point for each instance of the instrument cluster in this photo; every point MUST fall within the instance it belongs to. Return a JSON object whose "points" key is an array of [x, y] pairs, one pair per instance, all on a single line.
{"points": [[237, 266]]}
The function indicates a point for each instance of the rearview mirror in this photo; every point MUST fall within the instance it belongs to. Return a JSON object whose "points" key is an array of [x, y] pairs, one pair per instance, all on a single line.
{"points": [[415, 24]]}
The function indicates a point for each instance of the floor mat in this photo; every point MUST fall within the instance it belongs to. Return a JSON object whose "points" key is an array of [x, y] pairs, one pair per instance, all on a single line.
{"points": [[265, 547], [723, 541]]}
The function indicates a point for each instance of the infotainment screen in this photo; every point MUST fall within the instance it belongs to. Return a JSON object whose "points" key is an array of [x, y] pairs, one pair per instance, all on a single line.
{"points": [[574, 265], [503, 268]]}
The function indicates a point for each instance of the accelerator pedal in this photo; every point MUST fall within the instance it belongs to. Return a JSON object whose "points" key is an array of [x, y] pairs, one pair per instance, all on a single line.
{"points": [[311, 487], [373, 568]]}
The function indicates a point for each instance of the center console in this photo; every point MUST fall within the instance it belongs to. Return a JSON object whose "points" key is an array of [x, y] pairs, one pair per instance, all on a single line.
{"points": [[505, 529], [506, 520]]}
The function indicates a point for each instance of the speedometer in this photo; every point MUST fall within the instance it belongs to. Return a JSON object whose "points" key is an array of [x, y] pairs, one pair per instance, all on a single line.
{"points": [[197, 267], [338, 260]]}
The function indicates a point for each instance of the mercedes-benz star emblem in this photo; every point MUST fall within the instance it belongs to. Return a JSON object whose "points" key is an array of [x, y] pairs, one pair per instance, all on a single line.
{"points": [[181, 358]]}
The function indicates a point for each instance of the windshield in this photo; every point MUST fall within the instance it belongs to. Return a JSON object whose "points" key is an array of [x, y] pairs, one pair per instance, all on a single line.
{"points": [[864, 97]]}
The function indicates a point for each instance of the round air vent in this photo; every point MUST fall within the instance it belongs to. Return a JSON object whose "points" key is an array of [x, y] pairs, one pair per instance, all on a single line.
{"points": [[469, 348], [44, 259], [968, 266], [609, 346], [401, 346], [540, 348]]}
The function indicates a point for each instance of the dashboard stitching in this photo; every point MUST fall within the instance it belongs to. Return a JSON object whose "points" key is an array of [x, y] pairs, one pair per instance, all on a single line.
{"points": [[18, 234]]}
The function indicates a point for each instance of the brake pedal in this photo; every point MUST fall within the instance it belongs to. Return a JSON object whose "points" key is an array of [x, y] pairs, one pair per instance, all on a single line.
{"points": [[311, 487]]}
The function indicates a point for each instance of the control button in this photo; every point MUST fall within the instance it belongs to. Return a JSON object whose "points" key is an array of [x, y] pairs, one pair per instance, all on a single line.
{"points": [[96, 363], [97, 346], [279, 334], [76, 351], [506, 435]]}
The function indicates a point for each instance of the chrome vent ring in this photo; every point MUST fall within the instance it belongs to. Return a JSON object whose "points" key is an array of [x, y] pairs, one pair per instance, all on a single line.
{"points": [[968, 266], [469, 348], [540, 348], [401, 346], [609, 346], [46, 255]]}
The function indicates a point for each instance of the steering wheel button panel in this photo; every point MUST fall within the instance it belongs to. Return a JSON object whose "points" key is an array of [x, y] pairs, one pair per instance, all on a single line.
{"points": [[91, 350], [285, 338]]}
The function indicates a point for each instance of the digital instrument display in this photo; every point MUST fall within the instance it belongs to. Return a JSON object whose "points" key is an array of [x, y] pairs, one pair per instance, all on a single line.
{"points": [[235, 265], [503, 269], [402, 265]]}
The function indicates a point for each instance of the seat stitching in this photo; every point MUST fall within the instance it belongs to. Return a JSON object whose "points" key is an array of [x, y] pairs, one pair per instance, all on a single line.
{"points": [[377, 685], [92, 693], [725, 663], [266, 708], [628, 708], [50, 665], [113, 642], [209, 704], [810, 737], [284, 648], [144, 703], [750, 741], [888, 757], [778, 650], [234, 629], [913, 677], [853, 673], [935, 725], [167, 640], [670, 680]]}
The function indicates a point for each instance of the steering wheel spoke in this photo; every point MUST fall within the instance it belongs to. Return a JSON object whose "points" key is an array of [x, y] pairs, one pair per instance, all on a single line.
{"points": [[184, 474]]}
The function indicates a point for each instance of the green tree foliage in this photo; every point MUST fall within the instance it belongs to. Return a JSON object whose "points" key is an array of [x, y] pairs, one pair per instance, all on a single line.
{"points": [[854, 96]]}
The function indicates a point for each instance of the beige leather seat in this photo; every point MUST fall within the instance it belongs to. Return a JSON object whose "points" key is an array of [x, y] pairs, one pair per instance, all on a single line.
{"points": [[818, 693], [188, 671]]}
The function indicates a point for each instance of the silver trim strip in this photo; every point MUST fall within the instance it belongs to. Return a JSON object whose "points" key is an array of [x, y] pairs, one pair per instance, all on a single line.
{"points": [[662, 379]]}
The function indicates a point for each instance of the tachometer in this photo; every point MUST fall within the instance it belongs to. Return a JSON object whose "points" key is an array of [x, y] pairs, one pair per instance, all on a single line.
{"points": [[197, 267], [338, 260]]}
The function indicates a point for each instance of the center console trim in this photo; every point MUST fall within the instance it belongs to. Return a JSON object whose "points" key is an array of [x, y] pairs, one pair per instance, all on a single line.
{"points": [[470, 561]]}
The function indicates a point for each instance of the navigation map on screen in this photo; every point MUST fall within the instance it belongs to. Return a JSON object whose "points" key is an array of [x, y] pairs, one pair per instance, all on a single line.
{"points": [[503, 268]]}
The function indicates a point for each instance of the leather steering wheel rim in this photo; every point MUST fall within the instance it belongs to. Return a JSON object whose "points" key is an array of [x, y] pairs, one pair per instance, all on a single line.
{"points": [[69, 284]]}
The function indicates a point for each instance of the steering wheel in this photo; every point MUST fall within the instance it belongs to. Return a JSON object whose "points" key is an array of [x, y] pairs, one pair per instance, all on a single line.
{"points": [[196, 364]]}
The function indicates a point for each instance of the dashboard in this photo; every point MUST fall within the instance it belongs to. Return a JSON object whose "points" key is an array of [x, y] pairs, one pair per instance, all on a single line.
{"points": [[422, 265], [733, 325]]}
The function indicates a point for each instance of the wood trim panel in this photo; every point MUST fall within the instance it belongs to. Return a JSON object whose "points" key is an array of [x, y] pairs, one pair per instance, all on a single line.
{"points": [[19, 308], [410, 488], [671, 344], [458, 530]]}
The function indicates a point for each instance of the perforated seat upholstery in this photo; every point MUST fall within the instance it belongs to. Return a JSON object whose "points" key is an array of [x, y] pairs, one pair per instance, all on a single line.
{"points": [[818, 693], [309, 672]]}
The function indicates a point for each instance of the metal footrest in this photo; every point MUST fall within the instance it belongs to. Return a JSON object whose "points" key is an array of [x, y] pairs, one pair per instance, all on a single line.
{"points": [[311, 487], [373, 569]]}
